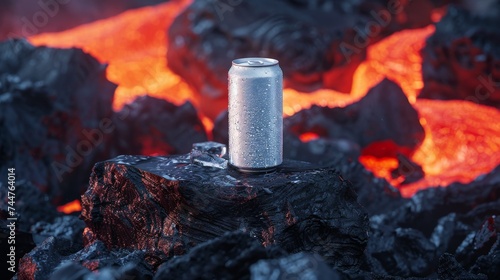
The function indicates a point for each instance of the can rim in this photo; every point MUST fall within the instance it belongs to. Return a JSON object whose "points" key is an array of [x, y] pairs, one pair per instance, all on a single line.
{"points": [[255, 62]]}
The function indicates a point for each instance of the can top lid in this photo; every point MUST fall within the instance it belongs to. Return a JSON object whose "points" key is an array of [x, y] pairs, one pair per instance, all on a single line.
{"points": [[255, 62]]}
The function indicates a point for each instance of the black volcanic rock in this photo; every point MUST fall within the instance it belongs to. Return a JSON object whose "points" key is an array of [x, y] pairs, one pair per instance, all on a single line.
{"points": [[60, 257], [297, 266], [449, 268], [135, 202], [51, 100], [383, 117], [407, 169], [319, 43], [461, 59], [68, 227], [57, 120], [227, 257], [461, 219], [402, 252], [151, 126]]}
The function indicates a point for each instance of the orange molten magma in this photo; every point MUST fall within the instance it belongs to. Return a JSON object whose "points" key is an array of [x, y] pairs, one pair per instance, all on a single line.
{"points": [[461, 143], [71, 207]]}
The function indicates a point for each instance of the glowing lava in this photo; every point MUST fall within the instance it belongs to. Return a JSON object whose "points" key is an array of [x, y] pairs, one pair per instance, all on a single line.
{"points": [[71, 207], [462, 139], [134, 44]]}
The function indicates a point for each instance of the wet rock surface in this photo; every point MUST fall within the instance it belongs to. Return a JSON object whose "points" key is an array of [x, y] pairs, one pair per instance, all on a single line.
{"points": [[440, 233], [165, 205]]}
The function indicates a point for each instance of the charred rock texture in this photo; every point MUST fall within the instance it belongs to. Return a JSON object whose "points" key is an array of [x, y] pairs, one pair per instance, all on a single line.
{"points": [[68, 227], [57, 120], [449, 268], [402, 252], [297, 266], [50, 100], [383, 122], [460, 219], [58, 258], [170, 205], [227, 257], [151, 126], [319, 43], [461, 60]]}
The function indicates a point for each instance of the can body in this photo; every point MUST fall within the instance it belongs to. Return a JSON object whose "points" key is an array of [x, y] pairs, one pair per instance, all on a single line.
{"points": [[255, 114]]}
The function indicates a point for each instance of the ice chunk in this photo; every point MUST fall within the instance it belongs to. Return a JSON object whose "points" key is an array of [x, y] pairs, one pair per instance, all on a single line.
{"points": [[207, 159], [210, 147]]}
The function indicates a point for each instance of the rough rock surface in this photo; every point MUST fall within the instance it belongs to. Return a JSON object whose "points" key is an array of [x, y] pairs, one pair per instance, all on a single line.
{"points": [[227, 257], [319, 43], [152, 126], [461, 59], [60, 259], [382, 117], [165, 205], [297, 266], [461, 219], [50, 100], [57, 120]]}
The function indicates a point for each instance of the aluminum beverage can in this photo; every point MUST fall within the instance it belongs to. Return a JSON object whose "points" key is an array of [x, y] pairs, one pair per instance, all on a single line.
{"points": [[255, 114]]}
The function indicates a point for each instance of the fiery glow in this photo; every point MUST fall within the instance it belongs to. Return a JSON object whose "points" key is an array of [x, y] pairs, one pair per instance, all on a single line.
{"points": [[71, 207], [135, 46], [461, 140], [308, 136]]}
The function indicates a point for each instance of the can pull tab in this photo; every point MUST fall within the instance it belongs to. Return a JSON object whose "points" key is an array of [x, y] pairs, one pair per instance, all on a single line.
{"points": [[255, 62]]}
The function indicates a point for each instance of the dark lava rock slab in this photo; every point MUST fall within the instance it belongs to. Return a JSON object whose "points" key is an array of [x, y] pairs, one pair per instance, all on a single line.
{"points": [[319, 43], [165, 205], [227, 257], [152, 126], [461, 60], [51, 100]]}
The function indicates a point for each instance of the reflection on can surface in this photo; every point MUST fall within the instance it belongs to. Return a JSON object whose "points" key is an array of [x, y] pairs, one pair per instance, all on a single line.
{"points": [[255, 114]]}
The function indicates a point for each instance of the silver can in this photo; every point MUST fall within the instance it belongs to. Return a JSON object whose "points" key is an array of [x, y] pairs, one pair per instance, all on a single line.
{"points": [[255, 114]]}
